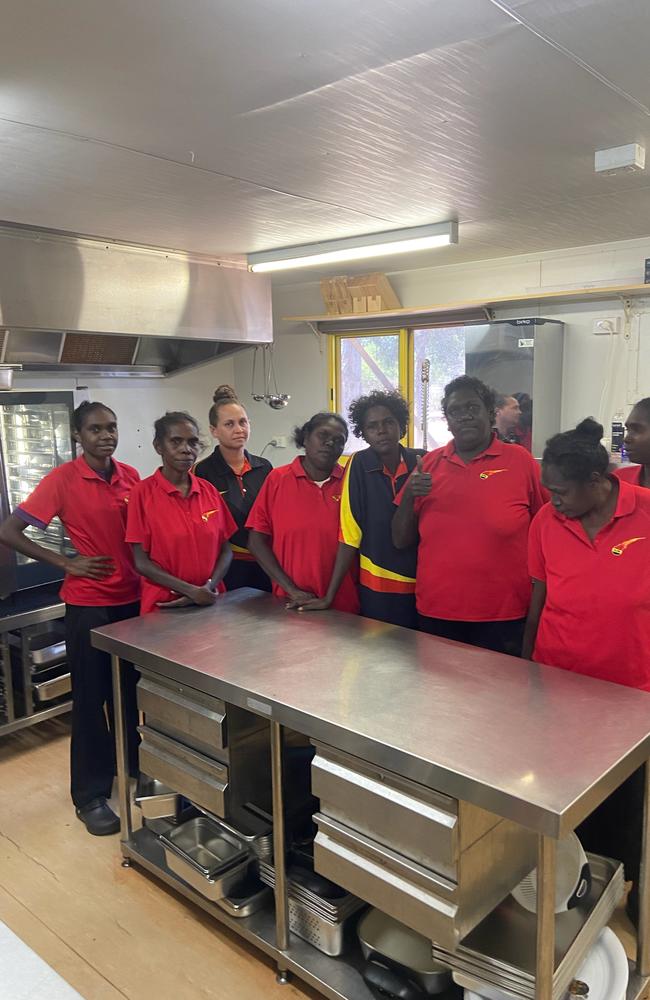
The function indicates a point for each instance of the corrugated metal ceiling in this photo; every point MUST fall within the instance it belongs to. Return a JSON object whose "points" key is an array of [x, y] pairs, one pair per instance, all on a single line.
{"points": [[224, 127]]}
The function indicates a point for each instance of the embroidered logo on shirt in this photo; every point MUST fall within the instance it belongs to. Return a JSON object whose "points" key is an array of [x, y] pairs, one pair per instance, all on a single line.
{"points": [[618, 550], [336, 498], [206, 515], [491, 472]]}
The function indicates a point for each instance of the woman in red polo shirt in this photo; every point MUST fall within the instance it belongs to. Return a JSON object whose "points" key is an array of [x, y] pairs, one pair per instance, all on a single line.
{"points": [[294, 523], [89, 495], [589, 558], [637, 445], [469, 506], [178, 525]]}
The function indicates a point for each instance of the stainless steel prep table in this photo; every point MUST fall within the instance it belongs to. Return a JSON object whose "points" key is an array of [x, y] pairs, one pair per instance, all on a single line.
{"points": [[536, 745]]}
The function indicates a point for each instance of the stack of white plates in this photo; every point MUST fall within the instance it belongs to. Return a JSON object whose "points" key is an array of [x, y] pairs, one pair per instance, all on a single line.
{"points": [[498, 957], [605, 971]]}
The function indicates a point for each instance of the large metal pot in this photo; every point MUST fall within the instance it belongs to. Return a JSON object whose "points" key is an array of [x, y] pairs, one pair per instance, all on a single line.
{"points": [[399, 964]]}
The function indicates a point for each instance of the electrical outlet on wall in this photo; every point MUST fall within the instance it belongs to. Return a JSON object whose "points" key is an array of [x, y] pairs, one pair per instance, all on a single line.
{"points": [[281, 441], [607, 326]]}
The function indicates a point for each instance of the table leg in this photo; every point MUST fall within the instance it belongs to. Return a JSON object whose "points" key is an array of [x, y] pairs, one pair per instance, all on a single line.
{"points": [[279, 848], [643, 936], [545, 965], [121, 748]]}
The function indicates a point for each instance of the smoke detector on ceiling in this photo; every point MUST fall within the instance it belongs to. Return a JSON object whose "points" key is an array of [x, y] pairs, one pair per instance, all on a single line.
{"points": [[630, 158]]}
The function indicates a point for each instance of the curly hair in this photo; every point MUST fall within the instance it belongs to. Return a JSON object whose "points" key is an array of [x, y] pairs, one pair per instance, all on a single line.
{"points": [[578, 453], [393, 401], [483, 391], [318, 419]]}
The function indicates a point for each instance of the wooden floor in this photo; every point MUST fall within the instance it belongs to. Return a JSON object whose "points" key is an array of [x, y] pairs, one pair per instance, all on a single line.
{"points": [[112, 932], [108, 931]]}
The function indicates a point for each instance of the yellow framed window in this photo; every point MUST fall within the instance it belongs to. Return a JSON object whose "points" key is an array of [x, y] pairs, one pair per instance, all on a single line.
{"points": [[360, 363]]}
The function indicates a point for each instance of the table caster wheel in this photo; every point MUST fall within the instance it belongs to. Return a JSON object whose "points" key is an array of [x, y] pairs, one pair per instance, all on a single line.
{"points": [[126, 862], [282, 978]]}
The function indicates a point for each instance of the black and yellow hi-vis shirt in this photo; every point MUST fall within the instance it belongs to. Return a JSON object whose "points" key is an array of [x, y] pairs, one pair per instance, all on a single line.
{"points": [[386, 574]]}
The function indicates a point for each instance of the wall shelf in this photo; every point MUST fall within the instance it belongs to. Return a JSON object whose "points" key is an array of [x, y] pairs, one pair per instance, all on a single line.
{"points": [[460, 310]]}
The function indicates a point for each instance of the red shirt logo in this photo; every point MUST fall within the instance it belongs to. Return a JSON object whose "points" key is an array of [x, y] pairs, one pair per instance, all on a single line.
{"points": [[618, 550], [206, 515], [490, 473]]}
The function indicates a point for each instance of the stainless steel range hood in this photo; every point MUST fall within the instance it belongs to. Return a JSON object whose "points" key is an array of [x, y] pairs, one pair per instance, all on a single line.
{"points": [[72, 304]]}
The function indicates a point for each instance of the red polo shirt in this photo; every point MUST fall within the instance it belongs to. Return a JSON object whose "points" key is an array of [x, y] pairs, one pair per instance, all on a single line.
{"points": [[93, 512], [183, 535], [596, 619], [629, 473], [473, 534], [303, 522]]}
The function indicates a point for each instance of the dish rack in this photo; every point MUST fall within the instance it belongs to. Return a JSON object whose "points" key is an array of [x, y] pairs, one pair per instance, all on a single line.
{"points": [[321, 922]]}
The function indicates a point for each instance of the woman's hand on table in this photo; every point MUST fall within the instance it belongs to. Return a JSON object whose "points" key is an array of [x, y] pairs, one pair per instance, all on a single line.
{"points": [[195, 596], [316, 604], [297, 598], [179, 602]]}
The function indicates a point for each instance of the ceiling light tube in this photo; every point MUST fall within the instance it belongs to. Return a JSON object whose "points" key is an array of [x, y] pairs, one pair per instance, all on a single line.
{"points": [[356, 247]]}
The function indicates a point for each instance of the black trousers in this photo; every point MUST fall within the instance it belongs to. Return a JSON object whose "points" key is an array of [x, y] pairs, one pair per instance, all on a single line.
{"points": [[501, 637], [615, 829], [92, 746]]}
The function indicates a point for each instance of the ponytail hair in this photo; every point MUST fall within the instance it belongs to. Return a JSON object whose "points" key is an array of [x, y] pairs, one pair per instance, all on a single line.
{"points": [[318, 419], [578, 454]]}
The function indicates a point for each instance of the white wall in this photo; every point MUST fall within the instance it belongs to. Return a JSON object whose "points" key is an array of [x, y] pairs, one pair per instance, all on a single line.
{"points": [[138, 402], [601, 375]]}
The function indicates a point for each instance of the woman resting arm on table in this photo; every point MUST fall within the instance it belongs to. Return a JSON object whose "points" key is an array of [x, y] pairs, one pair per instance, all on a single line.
{"points": [[294, 523], [178, 525]]}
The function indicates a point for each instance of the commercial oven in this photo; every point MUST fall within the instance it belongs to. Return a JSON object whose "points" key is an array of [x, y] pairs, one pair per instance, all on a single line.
{"points": [[35, 437]]}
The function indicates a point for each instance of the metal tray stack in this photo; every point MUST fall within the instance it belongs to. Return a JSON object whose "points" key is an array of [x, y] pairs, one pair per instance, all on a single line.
{"points": [[206, 857], [500, 952], [321, 922]]}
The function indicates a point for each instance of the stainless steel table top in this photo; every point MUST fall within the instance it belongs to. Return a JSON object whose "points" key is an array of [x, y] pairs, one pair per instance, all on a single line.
{"points": [[535, 744]]}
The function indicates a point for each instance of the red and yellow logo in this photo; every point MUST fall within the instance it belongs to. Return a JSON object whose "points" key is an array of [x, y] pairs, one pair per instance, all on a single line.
{"points": [[491, 472], [618, 550], [336, 497], [207, 514]]}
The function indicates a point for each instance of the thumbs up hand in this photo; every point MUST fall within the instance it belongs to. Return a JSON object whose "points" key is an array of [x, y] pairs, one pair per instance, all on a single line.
{"points": [[419, 483]]}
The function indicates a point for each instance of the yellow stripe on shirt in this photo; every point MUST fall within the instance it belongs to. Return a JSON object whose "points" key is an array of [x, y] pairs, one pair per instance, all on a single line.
{"points": [[386, 574], [349, 530]]}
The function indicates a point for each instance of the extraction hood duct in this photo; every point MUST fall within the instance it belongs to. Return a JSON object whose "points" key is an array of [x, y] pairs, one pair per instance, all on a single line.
{"points": [[72, 304]]}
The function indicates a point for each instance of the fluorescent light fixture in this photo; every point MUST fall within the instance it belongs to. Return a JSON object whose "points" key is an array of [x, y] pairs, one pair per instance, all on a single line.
{"points": [[440, 234]]}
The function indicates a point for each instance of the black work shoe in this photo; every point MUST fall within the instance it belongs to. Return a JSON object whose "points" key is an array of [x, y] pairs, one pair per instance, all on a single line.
{"points": [[99, 818]]}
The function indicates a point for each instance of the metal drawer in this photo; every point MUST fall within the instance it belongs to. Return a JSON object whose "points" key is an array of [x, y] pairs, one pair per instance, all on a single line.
{"points": [[195, 719], [441, 909], [48, 655], [53, 688], [199, 778], [420, 823]]}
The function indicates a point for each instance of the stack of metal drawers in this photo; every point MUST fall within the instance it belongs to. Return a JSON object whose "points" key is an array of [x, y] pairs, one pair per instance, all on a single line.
{"points": [[40, 672], [434, 863], [218, 759]]}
